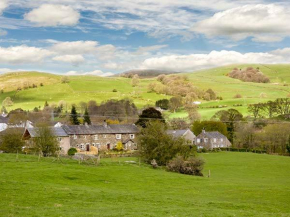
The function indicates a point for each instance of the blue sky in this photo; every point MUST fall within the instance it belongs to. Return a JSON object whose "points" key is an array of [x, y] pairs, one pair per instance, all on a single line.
{"points": [[109, 36]]}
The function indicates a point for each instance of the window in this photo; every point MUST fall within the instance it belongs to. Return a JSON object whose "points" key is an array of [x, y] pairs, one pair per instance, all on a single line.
{"points": [[82, 146], [118, 136], [85, 137], [96, 137], [205, 139], [198, 141], [75, 136], [98, 145], [132, 136], [93, 144], [105, 136], [214, 140], [222, 140], [59, 139]]}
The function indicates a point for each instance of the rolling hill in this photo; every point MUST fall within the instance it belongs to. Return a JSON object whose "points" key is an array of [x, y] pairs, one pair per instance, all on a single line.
{"points": [[85, 88]]}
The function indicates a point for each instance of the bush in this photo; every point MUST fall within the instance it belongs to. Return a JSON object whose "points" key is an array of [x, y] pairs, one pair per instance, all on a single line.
{"points": [[115, 90], [191, 166], [72, 151], [11, 141]]}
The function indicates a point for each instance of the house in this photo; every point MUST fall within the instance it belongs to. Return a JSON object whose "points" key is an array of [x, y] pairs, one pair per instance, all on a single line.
{"points": [[84, 137], [3, 122], [210, 140], [104, 137], [186, 134], [58, 132]]}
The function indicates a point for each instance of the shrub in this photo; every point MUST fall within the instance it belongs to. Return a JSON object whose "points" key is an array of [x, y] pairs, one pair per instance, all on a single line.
{"points": [[72, 151], [191, 166], [115, 90], [11, 141], [237, 96]]}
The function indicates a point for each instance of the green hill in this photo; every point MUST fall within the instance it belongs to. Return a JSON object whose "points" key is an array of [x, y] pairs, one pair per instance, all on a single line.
{"points": [[241, 184], [85, 88]]}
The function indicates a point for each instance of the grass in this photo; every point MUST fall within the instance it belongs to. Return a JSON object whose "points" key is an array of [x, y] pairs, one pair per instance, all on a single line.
{"points": [[85, 88], [241, 184]]}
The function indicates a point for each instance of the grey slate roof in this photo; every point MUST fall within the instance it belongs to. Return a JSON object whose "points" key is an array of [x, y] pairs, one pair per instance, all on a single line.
{"points": [[100, 129], [57, 131], [213, 134], [176, 133], [3, 119]]}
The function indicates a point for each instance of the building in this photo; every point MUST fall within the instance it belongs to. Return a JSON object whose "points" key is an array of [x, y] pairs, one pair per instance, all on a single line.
{"points": [[211, 140], [186, 134], [3, 122], [83, 137], [58, 132]]}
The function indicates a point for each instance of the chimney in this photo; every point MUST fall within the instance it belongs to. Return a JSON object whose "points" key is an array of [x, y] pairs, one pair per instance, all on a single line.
{"points": [[203, 131], [105, 124]]}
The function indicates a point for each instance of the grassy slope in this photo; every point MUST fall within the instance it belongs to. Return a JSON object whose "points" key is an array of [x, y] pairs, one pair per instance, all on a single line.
{"points": [[241, 184], [85, 88]]}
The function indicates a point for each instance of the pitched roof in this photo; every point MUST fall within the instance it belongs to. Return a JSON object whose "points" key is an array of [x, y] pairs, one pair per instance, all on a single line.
{"points": [[56, 131], [176, 133], [100, 129], [213, 134]]}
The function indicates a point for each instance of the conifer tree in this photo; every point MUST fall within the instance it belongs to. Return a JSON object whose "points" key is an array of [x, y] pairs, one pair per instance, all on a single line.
{"points": [[74, 116], [87, 118]]}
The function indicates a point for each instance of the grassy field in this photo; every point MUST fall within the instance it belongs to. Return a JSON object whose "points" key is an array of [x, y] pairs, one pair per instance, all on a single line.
{"points": [[241, 184], [85, 88]]}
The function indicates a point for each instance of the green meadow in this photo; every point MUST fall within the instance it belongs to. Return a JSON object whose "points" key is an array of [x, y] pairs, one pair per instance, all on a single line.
{"points": [[85, 88], [241, 184]]}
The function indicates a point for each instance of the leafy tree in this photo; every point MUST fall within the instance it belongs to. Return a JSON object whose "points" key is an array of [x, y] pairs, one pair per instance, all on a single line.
{"points": [[119, 146], [163, 103], [175, 103], [7, 102], [135, 80], [46, 104], [11, 141], [155, 143], [149, 114], [212, 94], [87, 117], [219, 126], [45, 142], [4, 110], [64, 79], [74, 116], [178, 124], [256, 109]]}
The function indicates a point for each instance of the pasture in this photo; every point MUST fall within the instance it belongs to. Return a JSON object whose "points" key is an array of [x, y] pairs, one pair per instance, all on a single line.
{"points": [[241, 184]]}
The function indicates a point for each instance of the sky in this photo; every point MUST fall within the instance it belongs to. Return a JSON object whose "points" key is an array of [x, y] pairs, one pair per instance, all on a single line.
{"points": [[104, 37]]}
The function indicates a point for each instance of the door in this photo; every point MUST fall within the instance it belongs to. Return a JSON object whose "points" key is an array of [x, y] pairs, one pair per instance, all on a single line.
{"points": [[88, 147], [108, 146]]}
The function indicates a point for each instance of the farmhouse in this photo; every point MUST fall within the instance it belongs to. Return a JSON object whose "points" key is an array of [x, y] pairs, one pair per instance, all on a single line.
{"points": [[3, 122], [84, 137], [210, 140], [186, 134]]}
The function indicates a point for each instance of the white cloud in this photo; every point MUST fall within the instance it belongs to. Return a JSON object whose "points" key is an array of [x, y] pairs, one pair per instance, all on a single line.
{"points": [[73, 59], [95, 72], [213, 59], [3, 32], [146, 50], [53, 15], [266, 23], [106, 52], [74, 47], [22, 54], [3, 5]]}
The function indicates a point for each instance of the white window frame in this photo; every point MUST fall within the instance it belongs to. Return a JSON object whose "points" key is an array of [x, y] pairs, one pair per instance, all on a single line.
{"points": [[197, 141], [222, 140], [104, 136], [132, 136], [83, 146], [59, 139], [118, 136], [205, 140], [96, 137], [214, 139], [75, 136]]}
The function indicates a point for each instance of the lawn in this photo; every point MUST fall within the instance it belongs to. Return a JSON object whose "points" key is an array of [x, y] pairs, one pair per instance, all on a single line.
{"points": [[241, 184]]}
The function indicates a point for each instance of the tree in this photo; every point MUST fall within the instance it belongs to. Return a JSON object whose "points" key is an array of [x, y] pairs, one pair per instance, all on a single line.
{"points": [[45, 142], [46, 104], [212, 94], [4, 110], [162, 103], [245, 136], [149, 114], [219, 126], [155, 143], [229, 117], [175, 103], [64, 79], [256, 109], [7, 102], [119, 146], [178, 124], [74, 116], [87, 117], [11, 141], [135, 80], [192, 111]]}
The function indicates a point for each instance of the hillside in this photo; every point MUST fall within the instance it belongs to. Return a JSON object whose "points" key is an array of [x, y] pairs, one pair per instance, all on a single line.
{"points": [[85, 88], [149, 73], [241, 184]]}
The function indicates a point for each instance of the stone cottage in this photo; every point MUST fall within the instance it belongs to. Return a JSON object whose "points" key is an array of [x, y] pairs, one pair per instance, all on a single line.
{"points": [[211, 140], [187, 134], [103, 137]]}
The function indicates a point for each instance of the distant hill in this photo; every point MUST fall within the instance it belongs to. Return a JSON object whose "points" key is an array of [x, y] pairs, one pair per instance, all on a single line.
{"points": [[146, 73]]}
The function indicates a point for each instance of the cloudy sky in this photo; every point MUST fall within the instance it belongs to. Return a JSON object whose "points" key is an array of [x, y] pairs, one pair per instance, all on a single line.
{"points": [[102, 37]]}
